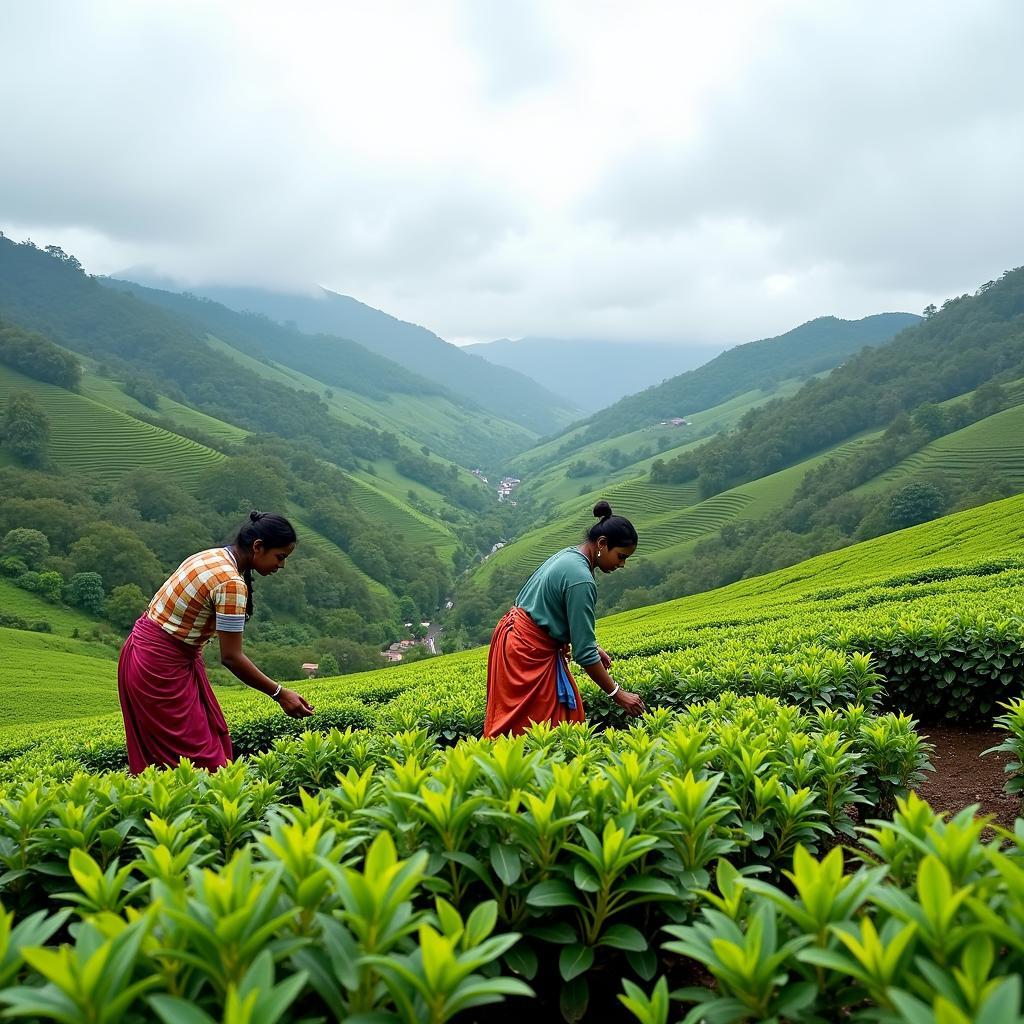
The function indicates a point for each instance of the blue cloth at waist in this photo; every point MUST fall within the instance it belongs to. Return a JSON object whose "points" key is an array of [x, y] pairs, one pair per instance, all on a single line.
{"points": [[566, 694]]}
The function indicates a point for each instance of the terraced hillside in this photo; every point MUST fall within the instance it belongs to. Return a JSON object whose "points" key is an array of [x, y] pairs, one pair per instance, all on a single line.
{"points": [[93, 439], [392, 514], [994, 444], [543, 469], [109, 392]]}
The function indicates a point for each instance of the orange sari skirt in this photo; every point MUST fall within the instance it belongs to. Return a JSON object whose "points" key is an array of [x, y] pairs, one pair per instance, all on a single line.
{"points": [[523, 667]]}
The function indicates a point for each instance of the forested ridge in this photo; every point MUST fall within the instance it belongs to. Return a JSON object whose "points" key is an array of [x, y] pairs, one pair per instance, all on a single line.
{"points": [[810, 348], [972, 339], [103, 548]]}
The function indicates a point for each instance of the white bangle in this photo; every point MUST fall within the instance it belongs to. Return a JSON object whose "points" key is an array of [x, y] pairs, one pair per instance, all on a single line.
{"points": [[615, 691], [273, 696]]}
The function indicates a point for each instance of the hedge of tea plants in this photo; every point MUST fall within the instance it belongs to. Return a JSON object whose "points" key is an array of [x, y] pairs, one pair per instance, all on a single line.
{"points": [[359, 873], [940, 649], [928, 929]]}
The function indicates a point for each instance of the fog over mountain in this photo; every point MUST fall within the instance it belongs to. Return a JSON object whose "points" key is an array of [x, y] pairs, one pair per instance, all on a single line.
{"points": [[593, 373], [643, 171]]}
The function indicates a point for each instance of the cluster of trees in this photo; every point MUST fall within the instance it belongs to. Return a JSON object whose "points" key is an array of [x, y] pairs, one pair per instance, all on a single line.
{"points": [[37, 357], [971, 340], [25, 557], [106, 549], [444, 478]]}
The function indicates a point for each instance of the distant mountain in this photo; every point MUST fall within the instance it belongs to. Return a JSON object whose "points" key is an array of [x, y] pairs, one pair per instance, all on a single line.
{"points": [[454, 426], [500, 391], [815, 346], [592, 374]]}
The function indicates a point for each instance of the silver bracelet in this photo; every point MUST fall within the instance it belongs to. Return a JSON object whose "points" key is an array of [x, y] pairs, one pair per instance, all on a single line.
{"points": [[276, 692], [615, 691]]}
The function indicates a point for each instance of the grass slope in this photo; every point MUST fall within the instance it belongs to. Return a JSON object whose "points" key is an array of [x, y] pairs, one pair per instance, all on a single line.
{"points": [[50, 678], [30, 606]]}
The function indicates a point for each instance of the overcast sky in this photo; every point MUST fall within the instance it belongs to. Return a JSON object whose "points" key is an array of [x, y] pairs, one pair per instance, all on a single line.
{"points": [[688, 171]]}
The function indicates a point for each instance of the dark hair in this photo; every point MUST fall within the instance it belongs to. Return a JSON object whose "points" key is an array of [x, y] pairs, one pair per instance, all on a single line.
{"points": [[275, 532], [617, 530]]}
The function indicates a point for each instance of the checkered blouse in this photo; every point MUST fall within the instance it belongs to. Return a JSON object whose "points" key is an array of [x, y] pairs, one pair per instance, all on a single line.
{"points": [[205, 594]]}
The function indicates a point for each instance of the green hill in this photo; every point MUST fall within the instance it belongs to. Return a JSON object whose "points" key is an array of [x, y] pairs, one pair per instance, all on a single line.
{"points": [[813, 347], [358, 385], [563, 469], [972, 340], [507, 394]]}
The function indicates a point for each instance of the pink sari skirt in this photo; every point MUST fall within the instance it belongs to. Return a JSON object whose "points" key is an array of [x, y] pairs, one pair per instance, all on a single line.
{"points": [[169, 708]]}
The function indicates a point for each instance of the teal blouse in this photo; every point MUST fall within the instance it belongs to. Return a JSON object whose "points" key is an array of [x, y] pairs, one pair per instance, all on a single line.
{"points": [[561, 597]]}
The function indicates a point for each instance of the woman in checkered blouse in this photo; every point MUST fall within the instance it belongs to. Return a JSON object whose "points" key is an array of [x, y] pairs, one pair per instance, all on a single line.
{"points": [[169, 707]]}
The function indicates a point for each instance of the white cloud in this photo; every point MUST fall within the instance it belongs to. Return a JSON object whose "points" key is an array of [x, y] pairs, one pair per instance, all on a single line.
{"points": [[653, 170]]}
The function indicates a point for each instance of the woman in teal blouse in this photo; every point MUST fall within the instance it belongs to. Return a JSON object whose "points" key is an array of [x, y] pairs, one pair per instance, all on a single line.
{"points": [[528, 678]]}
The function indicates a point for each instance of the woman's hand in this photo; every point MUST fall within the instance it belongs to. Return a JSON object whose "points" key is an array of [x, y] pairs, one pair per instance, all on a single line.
{"points": [[606, 658], [631, 703], [294, 704]]}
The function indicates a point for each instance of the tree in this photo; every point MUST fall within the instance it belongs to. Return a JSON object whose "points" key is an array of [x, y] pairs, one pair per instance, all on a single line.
{"points": [[117, 554], [142, 390], [328, 666], [85, 591], [916, 503], [246, 482], [156, 495], [26, 429], [930, 418], [50, 586], [125, 604], [31, 546]]}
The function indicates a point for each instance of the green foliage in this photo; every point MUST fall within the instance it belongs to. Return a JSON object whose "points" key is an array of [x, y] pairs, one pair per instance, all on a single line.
{"points": [[30, 546], [37, 357], [85, 591], [125, 604], [388, 872], [917, 944], [26, 429], [916, 503]]}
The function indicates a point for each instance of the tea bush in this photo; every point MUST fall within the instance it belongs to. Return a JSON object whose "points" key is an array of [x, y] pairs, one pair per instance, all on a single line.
{"points": [[928, 930], [334, 869]]}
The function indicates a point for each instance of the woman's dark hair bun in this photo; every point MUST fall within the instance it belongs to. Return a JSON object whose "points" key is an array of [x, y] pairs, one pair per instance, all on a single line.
{"points": [[602, 510], [255, 516]]}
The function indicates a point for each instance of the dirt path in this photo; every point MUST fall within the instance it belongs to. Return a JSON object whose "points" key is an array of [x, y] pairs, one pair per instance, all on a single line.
{"points": [[962, 776]]}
